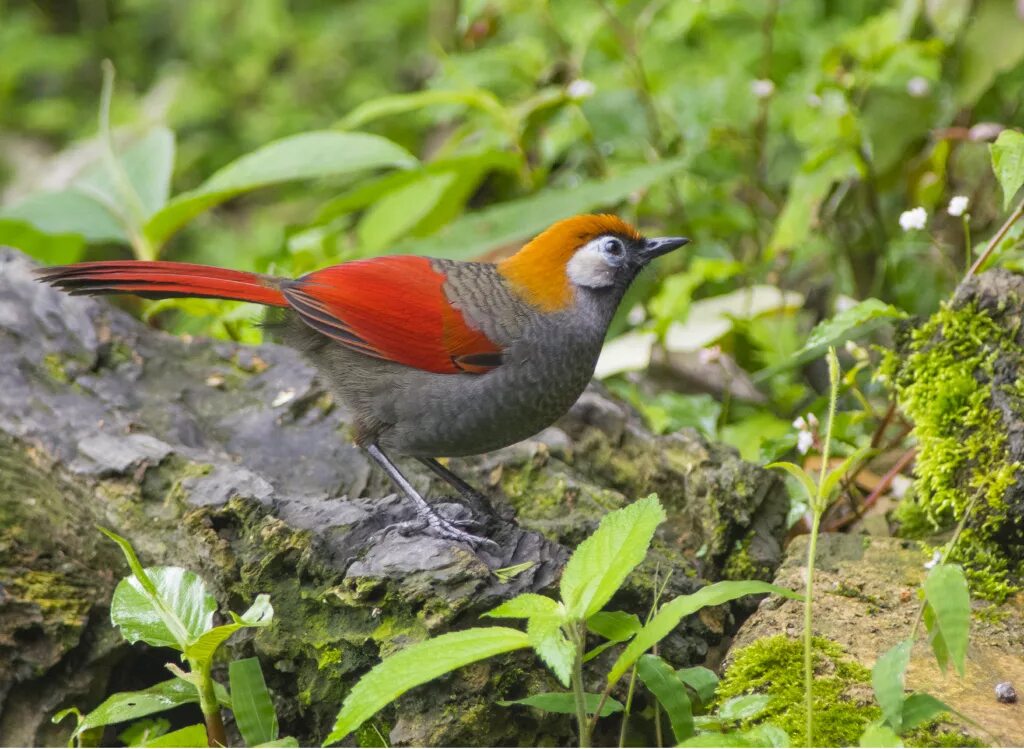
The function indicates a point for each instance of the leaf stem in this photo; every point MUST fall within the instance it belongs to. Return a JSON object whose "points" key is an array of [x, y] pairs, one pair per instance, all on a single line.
{"points": [[994, 242], [582, 719], [215, 734], [818, 509]]}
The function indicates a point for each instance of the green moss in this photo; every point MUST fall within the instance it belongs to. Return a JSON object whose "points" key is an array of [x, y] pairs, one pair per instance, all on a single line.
{"points": [[54, 365], [944, 377], [774, 666], [741, 566]]}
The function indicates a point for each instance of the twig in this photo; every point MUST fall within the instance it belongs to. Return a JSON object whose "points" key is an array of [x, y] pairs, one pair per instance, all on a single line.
{"points": [[994, 242]]}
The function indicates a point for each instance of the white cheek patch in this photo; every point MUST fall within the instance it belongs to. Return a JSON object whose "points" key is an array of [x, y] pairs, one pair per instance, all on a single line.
{"points": [[588, 267]]}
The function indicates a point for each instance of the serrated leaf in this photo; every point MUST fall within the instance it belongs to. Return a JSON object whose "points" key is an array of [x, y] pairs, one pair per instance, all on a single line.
{"points": [[887, 678], [551, 644], [806, 482], [946, 592], [671, 613], [524, 606], [309, 155], [517, 220], [701, 680], [919, 708], [743, 708], [251, 703], [603, 561], [1008, 163], [175, 614], [418, 664], [565, 702], [260, 614], [659, 677]]}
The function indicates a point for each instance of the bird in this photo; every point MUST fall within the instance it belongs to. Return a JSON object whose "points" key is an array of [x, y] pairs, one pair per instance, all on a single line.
{"points": [[433, 358]]}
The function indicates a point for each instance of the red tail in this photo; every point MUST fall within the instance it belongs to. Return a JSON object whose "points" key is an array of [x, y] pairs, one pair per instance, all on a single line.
{"points": [[158, 280]]}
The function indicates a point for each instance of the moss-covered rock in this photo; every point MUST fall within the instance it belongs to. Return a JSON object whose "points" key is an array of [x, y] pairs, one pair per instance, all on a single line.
{"points": [[957, 375]]}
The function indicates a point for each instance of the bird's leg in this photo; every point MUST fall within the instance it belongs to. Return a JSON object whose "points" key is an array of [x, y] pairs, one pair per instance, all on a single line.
{"points": [[440, 526], [453, 480]]}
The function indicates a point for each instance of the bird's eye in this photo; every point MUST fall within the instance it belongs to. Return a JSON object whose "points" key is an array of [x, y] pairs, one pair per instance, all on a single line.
{"points": [[613, 247]]}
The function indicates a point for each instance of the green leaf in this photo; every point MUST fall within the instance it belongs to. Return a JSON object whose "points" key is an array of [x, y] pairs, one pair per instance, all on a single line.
{"points": [[125, 706], [945, 590], [880, 735], [397, 212], [189, 736], [887, 679], [251, 703], [1008, 163], [919, 708], [701, 680], [514, 221], [717, 739], [603, 561], [743, 708], [148, 165], [833, 477], [260, 614], [524, 606], [671, 613], [416, 665], [617, 626], [659, 677], [766, 735], [307, 156], [67, 212], [51, 249], [800, 475], [847, 325], [387, 106], [947, 16], [564, 702], [284, 741], [140, 732], [992, 43], [553, 647], [174, 615]]}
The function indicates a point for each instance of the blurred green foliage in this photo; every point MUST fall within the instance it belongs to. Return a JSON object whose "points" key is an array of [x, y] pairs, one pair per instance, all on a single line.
{"points": [[785, 138]]}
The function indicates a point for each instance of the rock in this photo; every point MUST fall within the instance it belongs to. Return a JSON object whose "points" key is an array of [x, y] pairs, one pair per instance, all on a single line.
{"points": [[233, 461], [865, 600]]}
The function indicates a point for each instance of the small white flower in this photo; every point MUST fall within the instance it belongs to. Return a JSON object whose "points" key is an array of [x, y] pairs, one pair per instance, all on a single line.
{"points": [[900, 485], [800, 424], [804, 442], [581, 88], [812, 421], [918, 86], [936, 558], [915, 218], [709, 355], [958, 205], [762, 88]]}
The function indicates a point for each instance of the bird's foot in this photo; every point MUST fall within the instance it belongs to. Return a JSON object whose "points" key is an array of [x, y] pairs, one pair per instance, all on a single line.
{"points": [[436, 524]]}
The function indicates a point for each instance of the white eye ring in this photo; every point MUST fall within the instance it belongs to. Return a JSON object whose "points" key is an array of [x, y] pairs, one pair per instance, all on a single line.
{"points": [[613, 248]]}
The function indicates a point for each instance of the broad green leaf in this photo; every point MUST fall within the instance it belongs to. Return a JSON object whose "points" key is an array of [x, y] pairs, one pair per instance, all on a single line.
{"points": [[880, 735], [524, 606], [671, 613], [125, 706], [717, 739], [284, 741], [307, 156], [800, 475], [251, 703], [387, 106], [141, 731], [945, 590], [603, 561], [416, 665], [189, 736], [847, 324], [67, 212], [935, 639], [260, 614], [565, 702], [396, 213], [919, 708], [665, 684], [743, 708], [833, 477], [516, 220], [175, 615], [767, 735], [947, 16], [617, 626], [993, 42], [148, 164], [1008, 163], [887, 679], [701, 680], [50, 249], [553, 647]]}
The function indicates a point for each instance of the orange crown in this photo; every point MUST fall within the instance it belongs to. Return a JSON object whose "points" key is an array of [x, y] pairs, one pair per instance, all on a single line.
{"points": [[537, 271]]}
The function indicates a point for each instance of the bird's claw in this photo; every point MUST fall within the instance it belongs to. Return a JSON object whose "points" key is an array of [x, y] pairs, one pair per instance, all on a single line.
{"points": [[438, 525]]}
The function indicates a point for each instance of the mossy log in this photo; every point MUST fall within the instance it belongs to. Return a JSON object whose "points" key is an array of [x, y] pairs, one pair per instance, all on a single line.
{"points": [[233, 461]]}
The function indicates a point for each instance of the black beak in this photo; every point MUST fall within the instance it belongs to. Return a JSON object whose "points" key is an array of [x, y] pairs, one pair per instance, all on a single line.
{"points": [[659, 246]]}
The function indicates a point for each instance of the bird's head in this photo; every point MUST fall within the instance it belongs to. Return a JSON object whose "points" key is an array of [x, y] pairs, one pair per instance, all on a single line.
{"points": [[598, 254]]}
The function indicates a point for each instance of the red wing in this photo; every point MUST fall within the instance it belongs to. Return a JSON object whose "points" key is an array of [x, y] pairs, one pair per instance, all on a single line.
{"points": [[393, 308]]}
